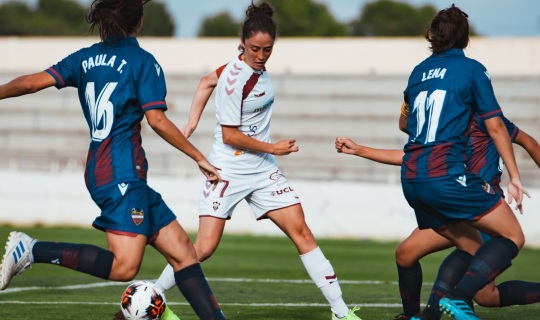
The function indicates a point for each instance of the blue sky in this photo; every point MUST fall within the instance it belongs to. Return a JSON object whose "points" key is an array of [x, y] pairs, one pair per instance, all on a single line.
{"points": [[489, 17], [494, 18]]}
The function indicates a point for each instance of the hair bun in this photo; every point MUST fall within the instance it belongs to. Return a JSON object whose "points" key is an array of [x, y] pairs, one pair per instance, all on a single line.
{"points": [[263, 8]]}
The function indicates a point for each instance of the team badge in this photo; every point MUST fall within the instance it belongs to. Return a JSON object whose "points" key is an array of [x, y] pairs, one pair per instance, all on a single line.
{"points": [[137, 215], [216, 205]]}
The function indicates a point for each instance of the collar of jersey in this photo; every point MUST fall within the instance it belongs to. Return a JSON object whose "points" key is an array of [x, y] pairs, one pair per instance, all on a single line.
{"points": [[245, 64], [128, 40], [451, 52]]}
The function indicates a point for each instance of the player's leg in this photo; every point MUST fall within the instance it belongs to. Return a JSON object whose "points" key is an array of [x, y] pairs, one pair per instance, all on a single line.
{"points": [[488, 296], [23, 251], [429, 211], [172, 241], [121, 262], [210, 226], [208, 237], [452, 269], [418, 244], [491, 259], [292, 222], [514, 292]]}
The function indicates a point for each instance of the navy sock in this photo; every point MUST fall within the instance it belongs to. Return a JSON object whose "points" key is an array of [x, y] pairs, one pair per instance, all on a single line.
{"points": [[195, 288], [410, 286], [518, 293], [490, 260], [85, 258], [451, 271]]}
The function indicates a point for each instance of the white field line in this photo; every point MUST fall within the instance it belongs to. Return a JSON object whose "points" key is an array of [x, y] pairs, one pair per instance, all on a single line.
{"points": [[363, 305], [238, 280]]}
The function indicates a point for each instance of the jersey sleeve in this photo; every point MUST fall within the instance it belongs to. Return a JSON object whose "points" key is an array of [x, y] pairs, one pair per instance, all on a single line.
{"points": [[65, 71], [219, 70], [230, 99], [513, 130], [484, 97], [152, 87]]}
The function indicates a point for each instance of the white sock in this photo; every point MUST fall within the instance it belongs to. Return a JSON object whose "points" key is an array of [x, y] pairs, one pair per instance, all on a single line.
{"points": [[321, 272], [166, 280]]}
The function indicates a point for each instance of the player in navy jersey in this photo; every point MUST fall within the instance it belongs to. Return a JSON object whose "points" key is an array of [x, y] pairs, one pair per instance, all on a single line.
{"points": [[444, 92], [483, 160], [244, 153], [118, 84]]}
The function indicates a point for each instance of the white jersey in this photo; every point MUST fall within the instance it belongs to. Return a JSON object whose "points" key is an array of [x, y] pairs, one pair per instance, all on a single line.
{"points": [[244, 99]]}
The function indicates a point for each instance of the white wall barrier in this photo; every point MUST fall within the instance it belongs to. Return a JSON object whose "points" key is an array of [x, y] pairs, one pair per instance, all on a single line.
{"points": [[315, 56], [333, 209]]}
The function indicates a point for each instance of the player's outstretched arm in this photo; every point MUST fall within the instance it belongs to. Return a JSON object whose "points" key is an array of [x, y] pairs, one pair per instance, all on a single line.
{"points": [[385, 156], [166, 129], [26, 84], [200, 99], [530, 145], [499, 134]]}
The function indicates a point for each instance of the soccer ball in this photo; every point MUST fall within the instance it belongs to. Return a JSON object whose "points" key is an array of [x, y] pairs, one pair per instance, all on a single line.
{"points": [[143, 300]]}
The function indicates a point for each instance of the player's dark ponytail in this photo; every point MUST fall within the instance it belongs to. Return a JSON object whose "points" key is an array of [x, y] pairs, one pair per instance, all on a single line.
{"points": [[115, 19], [258, 19], [449, 29]]}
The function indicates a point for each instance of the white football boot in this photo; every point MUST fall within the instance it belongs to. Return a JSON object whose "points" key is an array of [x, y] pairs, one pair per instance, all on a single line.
{"points": [[17, 258]]}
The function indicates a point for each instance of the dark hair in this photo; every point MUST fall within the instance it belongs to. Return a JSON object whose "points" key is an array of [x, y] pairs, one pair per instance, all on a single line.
{"points": [[258, 19], [115, 19], [449, 29]]}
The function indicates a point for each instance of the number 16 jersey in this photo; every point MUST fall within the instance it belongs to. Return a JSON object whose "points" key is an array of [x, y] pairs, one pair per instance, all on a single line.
{"points": [[116, 85]]}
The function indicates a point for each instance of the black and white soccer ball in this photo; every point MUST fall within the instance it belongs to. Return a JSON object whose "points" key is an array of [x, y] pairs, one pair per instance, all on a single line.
{"points": [[143, 300]]}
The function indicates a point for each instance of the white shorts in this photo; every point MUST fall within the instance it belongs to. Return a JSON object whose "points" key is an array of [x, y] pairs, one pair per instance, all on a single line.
{"points": [[264, 192]]}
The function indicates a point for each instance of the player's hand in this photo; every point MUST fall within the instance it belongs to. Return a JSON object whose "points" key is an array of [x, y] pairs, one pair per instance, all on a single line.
{"points": [[210, 172], [345, 145], [285, 147], [187, 130], [516, 192]]}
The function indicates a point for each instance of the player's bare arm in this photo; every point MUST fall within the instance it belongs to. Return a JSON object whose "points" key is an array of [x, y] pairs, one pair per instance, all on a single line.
{"points": [[403, 116], [384, 156], [499, 134], [530, 145], [164, 127], [233, 137], [26, 84], [200, 99]]}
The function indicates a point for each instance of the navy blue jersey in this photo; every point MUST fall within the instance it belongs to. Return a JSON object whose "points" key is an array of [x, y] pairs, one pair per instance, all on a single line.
{"points": [[482, 156], [116, 85], [444, 92]]}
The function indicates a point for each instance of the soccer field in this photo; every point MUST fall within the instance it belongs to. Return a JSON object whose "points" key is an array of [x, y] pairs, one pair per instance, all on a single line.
{"points": [[252, 278]]}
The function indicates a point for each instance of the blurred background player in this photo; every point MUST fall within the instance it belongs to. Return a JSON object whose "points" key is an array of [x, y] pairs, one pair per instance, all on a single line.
{"points": [[482, 159], [118, 84], [244, 154], [445, 91]]}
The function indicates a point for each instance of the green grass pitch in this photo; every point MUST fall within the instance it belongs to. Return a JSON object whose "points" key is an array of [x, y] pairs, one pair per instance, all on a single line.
{"points": [[252, 278]]}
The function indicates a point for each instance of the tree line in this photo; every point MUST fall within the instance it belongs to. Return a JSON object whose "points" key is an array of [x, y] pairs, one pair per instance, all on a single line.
{"points": [[298, 18]]}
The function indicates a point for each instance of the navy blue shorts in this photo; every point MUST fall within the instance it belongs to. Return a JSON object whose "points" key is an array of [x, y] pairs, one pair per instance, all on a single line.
{"points": [[446, 201], [132, 208]]}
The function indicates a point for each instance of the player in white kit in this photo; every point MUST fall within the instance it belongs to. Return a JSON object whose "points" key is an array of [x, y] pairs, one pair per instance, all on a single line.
{"points": [[244, 155]]}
